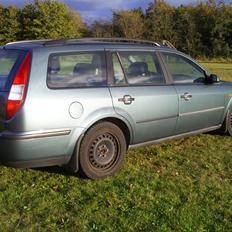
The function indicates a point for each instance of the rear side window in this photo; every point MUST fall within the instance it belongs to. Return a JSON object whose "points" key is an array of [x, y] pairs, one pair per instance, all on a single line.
{"points": [[8, 59], [83, 69], [141, 68]]}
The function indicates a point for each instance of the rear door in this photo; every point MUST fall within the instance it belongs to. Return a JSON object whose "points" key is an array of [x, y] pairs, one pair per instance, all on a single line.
{"points": [[140, 94], [9, 61], [200, 105]]}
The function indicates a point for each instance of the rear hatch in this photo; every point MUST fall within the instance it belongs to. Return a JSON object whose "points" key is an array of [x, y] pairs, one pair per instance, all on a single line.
{"points": [[9, 63]]}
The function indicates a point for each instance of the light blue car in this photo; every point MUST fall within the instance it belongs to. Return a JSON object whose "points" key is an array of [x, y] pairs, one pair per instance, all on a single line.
{"points": [[81, 103]]}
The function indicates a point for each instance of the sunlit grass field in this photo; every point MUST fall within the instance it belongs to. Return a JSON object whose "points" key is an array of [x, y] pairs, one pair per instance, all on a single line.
{"points": [[183, 185], [223, 70]]}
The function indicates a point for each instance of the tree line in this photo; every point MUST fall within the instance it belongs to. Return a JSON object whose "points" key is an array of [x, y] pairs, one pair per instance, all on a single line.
{"points": [[202, 30]]}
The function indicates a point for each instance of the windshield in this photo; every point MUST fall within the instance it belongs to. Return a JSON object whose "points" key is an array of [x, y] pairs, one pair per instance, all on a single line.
{"points": [[7, 60]]}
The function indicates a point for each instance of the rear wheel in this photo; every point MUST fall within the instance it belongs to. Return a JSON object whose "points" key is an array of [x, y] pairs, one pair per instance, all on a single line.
{"points": [[102, 150]]}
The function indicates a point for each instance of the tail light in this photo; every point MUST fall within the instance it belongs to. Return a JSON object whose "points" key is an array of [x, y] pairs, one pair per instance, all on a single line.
{"points": [[18, 89]]}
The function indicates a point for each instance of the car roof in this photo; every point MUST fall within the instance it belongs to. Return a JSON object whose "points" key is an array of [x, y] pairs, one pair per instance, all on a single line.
{"points": [[109, 42]]}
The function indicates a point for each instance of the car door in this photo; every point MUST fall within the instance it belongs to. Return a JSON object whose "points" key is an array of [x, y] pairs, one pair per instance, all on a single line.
{"points": [[201, 105], [140, 94]]}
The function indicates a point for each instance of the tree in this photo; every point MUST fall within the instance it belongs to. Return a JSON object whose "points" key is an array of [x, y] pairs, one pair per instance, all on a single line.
{"points": [[102, 29], [79, 26], [159, 22], [205, 18], [187, 37], [222, 43], [9, 24], [49, 19], [129, 24]]}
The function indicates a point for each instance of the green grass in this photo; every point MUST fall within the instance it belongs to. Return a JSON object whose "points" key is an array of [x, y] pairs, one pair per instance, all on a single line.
{"points": [[183, 185], [223, 70]]}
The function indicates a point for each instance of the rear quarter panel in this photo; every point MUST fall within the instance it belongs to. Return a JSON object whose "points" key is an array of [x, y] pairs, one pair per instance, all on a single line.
{"points": [[47, 108]]}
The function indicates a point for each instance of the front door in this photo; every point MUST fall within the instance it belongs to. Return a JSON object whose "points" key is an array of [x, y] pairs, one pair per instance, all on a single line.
{"points": [[140, 94], [200, 105]]}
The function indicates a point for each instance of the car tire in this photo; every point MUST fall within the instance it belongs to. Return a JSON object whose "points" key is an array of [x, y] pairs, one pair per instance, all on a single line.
{"points": [[102, 150]]}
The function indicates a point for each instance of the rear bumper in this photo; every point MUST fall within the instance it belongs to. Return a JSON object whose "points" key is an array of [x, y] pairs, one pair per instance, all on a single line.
{"points": [[37, 149]]}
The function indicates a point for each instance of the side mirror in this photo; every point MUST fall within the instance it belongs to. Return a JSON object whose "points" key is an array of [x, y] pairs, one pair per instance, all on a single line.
{"points": [[212, 78]]}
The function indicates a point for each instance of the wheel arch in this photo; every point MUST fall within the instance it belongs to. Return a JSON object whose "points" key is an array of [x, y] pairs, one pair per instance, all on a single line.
{"points": [[73, 164], [228, 107], [123, 126]]}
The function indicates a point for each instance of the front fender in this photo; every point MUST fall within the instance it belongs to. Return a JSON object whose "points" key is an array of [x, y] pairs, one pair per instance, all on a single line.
{"points": [[228, 105]]}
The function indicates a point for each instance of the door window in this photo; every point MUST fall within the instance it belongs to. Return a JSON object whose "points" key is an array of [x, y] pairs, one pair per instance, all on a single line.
{"points": [[182, 69], [140, 68]]}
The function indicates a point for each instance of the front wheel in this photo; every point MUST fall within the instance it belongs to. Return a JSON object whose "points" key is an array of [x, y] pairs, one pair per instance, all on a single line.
{"points": [[102, 150], [229, 121]]}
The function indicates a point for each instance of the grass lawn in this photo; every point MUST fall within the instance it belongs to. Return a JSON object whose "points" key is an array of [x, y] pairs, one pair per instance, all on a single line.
{"points": [[224, 71], [183, 185]]}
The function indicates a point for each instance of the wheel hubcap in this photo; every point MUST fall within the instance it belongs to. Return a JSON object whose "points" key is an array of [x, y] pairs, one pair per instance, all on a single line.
{"points": [[103, 151]]}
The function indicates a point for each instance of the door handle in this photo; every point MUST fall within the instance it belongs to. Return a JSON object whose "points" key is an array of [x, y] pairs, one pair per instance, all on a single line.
{"points": [[186, 96], [127, 99]]}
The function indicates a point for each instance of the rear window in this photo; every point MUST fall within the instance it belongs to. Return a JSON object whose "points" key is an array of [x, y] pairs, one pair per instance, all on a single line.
{"points": [[83, 69], [8, 59]]}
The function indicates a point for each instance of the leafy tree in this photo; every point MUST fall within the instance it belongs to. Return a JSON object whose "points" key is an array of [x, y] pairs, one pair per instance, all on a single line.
{"points": [[9, 24], [49, 19], [187, 37], [129, 24], [213, 22], [205, 19], [159, 22], [79, 26], [222, 43], [102, 29]]}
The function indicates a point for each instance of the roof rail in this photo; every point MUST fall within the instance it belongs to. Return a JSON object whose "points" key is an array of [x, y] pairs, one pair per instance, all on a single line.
{"points": [[57, 42], [168, 44], [103, 39], [30, 41]]}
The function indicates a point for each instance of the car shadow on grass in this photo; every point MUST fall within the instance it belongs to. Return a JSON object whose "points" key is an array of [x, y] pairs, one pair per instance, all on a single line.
{"points": [[218, 133], [61, 171]]}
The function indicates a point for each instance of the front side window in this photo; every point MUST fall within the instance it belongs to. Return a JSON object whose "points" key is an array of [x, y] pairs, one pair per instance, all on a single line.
{"points": [[84, 69], [140, 68], [182, 69]]}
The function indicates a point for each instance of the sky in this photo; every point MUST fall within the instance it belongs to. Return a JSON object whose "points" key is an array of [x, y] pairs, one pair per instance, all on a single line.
{"points": [[92, 10]]}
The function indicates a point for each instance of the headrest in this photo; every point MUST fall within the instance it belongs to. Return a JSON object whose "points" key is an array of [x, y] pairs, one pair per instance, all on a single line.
{"points": [[138, 68], [83, 69], [54, 65]]}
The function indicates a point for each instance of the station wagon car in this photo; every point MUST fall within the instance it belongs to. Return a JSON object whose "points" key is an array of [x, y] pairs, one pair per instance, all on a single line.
{"points": [[81, 103]]}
